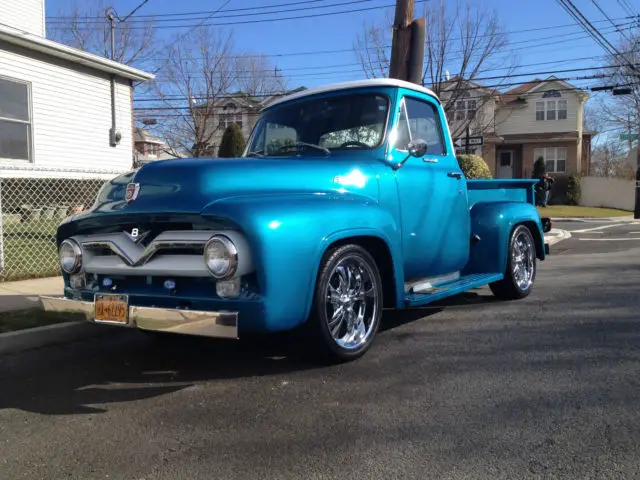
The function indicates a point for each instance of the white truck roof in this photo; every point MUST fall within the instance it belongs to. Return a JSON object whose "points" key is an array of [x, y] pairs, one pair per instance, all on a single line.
{"points": [[372, 82]]}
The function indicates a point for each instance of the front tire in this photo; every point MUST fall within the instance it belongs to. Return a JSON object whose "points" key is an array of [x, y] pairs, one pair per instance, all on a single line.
{"points": [[347, 305], [520, 274]]}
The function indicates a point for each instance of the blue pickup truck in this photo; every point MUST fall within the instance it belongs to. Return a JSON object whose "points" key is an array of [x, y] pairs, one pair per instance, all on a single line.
{"points": [[348, 199]]}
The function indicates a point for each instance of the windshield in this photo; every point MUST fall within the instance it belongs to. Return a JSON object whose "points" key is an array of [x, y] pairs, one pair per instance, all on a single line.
{"points": [[343, 122]]}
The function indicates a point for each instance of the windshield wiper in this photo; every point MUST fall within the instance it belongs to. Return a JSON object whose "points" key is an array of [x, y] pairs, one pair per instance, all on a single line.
{"points": [[304, 144], [257, 153]]}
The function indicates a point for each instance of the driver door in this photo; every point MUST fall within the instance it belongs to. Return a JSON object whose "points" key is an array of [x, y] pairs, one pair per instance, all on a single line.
{"points": [[432, 192]]}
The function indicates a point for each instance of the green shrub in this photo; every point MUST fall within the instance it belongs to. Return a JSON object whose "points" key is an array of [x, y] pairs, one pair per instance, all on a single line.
{"points": [[232, 143], [573, 190], [474, 167], [539, 168]]}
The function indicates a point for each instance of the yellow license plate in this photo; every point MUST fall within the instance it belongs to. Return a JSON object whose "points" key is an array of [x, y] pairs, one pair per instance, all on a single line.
{"points": [[111, 308]]}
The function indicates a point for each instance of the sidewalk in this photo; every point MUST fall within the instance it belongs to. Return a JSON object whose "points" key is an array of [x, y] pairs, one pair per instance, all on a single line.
{"points": [[23, 295]]}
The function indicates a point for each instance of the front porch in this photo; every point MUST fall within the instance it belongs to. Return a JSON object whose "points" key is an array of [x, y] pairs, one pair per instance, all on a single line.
{"points": [[513, 156]]}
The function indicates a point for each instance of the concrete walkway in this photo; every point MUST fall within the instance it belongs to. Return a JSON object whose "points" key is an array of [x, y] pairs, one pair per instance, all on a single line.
{"points": [[24, 294]]}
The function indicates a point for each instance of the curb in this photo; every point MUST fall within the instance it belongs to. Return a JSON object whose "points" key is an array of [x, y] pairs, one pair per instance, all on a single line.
{"points": [[593, 219], [31, 338], [557, 235]]}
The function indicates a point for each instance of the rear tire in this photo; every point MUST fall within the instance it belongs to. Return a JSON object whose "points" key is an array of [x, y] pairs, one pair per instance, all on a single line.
{"points": [[347, 305], [520, 273]]}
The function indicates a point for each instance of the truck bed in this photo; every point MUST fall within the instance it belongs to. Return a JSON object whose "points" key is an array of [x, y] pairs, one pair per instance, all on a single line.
{"points": [[501, 190]]}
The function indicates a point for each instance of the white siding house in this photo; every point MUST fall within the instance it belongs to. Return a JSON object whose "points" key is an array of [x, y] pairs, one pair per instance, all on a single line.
{"points": [[55, 103], [59, 140], [25, 15], [550, 107]]}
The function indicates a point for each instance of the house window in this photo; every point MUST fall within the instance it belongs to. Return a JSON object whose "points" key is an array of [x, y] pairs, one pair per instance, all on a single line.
{"points": [[227, 119], [539, 110], [562, 109], [551, 110], [555, 158], [465, 109], [15, 120]]}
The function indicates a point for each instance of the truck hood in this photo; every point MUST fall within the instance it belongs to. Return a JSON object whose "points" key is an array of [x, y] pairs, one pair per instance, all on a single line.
{"points": [[189, 185]]}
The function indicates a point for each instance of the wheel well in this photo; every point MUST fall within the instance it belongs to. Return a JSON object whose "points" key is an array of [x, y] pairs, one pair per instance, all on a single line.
{"points": [[380, 252], [537, 238]]}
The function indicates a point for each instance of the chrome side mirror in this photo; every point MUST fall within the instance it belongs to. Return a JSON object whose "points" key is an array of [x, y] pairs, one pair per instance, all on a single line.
{"points": [[417, 148]]}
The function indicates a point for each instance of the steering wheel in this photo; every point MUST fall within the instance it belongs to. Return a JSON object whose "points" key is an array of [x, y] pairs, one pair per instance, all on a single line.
{"points": [[355, 143]]}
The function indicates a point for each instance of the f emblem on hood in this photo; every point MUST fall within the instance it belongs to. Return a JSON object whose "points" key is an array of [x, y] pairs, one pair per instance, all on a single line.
{"points": [[133, 189]]}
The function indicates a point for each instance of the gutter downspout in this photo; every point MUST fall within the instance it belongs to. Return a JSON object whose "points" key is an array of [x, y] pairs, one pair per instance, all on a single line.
{"points": [[114, 134]]}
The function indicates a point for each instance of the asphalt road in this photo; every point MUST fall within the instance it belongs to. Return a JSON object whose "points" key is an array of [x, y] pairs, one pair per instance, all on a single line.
{"points": [[545, 387], [598, 237]]}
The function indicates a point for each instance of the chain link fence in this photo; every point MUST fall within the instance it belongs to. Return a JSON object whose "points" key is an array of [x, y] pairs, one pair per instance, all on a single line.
{"points": [[31, 210]]}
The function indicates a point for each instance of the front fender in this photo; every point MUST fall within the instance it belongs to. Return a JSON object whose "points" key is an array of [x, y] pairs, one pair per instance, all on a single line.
{"points": [[493, 222], [288, 235]]}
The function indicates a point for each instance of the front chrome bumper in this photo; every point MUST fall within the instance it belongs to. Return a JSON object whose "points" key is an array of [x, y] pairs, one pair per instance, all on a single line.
{"points": [[189, 322]]}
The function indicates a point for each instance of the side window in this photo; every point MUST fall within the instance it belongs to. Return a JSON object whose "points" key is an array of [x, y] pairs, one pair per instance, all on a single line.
{"points": [[424, 123], [403, 136]]}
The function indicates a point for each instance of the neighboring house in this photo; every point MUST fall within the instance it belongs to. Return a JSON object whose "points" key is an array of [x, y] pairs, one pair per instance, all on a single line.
{"points": [[239, 108], [540, 119], [471, 105], [55, 101], [149, 147]]}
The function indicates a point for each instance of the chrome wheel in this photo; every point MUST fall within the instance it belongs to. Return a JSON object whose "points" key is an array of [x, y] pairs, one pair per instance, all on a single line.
{"points": [[351, 302], [523, 260]]}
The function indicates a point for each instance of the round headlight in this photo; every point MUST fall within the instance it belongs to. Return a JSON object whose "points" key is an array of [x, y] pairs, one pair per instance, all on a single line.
{"points": [[221, 257], [70, 256]]}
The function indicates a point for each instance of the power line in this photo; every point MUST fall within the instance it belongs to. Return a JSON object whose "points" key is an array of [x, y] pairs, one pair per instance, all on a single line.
{"points": [[242, 15], [298, 17], [350, 50], [186, 14], [608, 18], [356, 64], [514, 75], [481, 87], [198, 74]]}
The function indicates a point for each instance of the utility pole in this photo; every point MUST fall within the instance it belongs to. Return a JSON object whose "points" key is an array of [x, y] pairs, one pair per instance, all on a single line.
{"points": [[407, 46], [401, 42], [636, 210]]}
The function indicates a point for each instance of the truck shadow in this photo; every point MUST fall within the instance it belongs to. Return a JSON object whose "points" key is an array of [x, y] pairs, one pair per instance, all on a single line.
{"points": [[84, 377]]}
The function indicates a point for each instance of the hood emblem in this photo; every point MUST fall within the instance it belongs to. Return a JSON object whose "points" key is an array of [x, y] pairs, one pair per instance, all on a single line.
{"points": [[133, 189], [137, 235]]}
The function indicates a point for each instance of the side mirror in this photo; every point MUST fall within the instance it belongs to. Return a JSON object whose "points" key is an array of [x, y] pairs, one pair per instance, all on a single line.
{"points": [[417, 148]]}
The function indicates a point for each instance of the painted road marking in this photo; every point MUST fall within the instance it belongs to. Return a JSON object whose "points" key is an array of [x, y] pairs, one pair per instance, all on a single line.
{"points": [[586, 230], [609, 239]]}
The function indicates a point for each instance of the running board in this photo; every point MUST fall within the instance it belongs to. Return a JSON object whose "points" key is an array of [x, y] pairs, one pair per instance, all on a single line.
{"points": [[428, 284], [451, 288]]}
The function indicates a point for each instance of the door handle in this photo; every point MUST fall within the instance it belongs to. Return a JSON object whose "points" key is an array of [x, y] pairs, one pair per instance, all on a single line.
{"points": [[457, 175]]}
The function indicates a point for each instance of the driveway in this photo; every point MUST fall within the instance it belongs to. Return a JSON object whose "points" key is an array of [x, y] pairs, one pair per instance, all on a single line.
{"points": [[545, 387]]}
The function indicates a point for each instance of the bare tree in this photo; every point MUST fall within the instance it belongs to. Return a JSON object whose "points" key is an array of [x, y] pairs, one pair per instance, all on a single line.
{"points": [[86, 27], [257, 76], [609, 159], [622, 112], [199, 71], [459, 38]]}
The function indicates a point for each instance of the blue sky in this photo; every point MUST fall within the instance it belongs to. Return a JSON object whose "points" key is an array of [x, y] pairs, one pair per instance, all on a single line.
{"points": [[337, 32]]}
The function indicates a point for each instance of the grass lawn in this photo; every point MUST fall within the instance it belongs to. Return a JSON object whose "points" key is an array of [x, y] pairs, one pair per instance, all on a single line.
{"points": [[30, 250], [23, 319], [559, 211]]}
